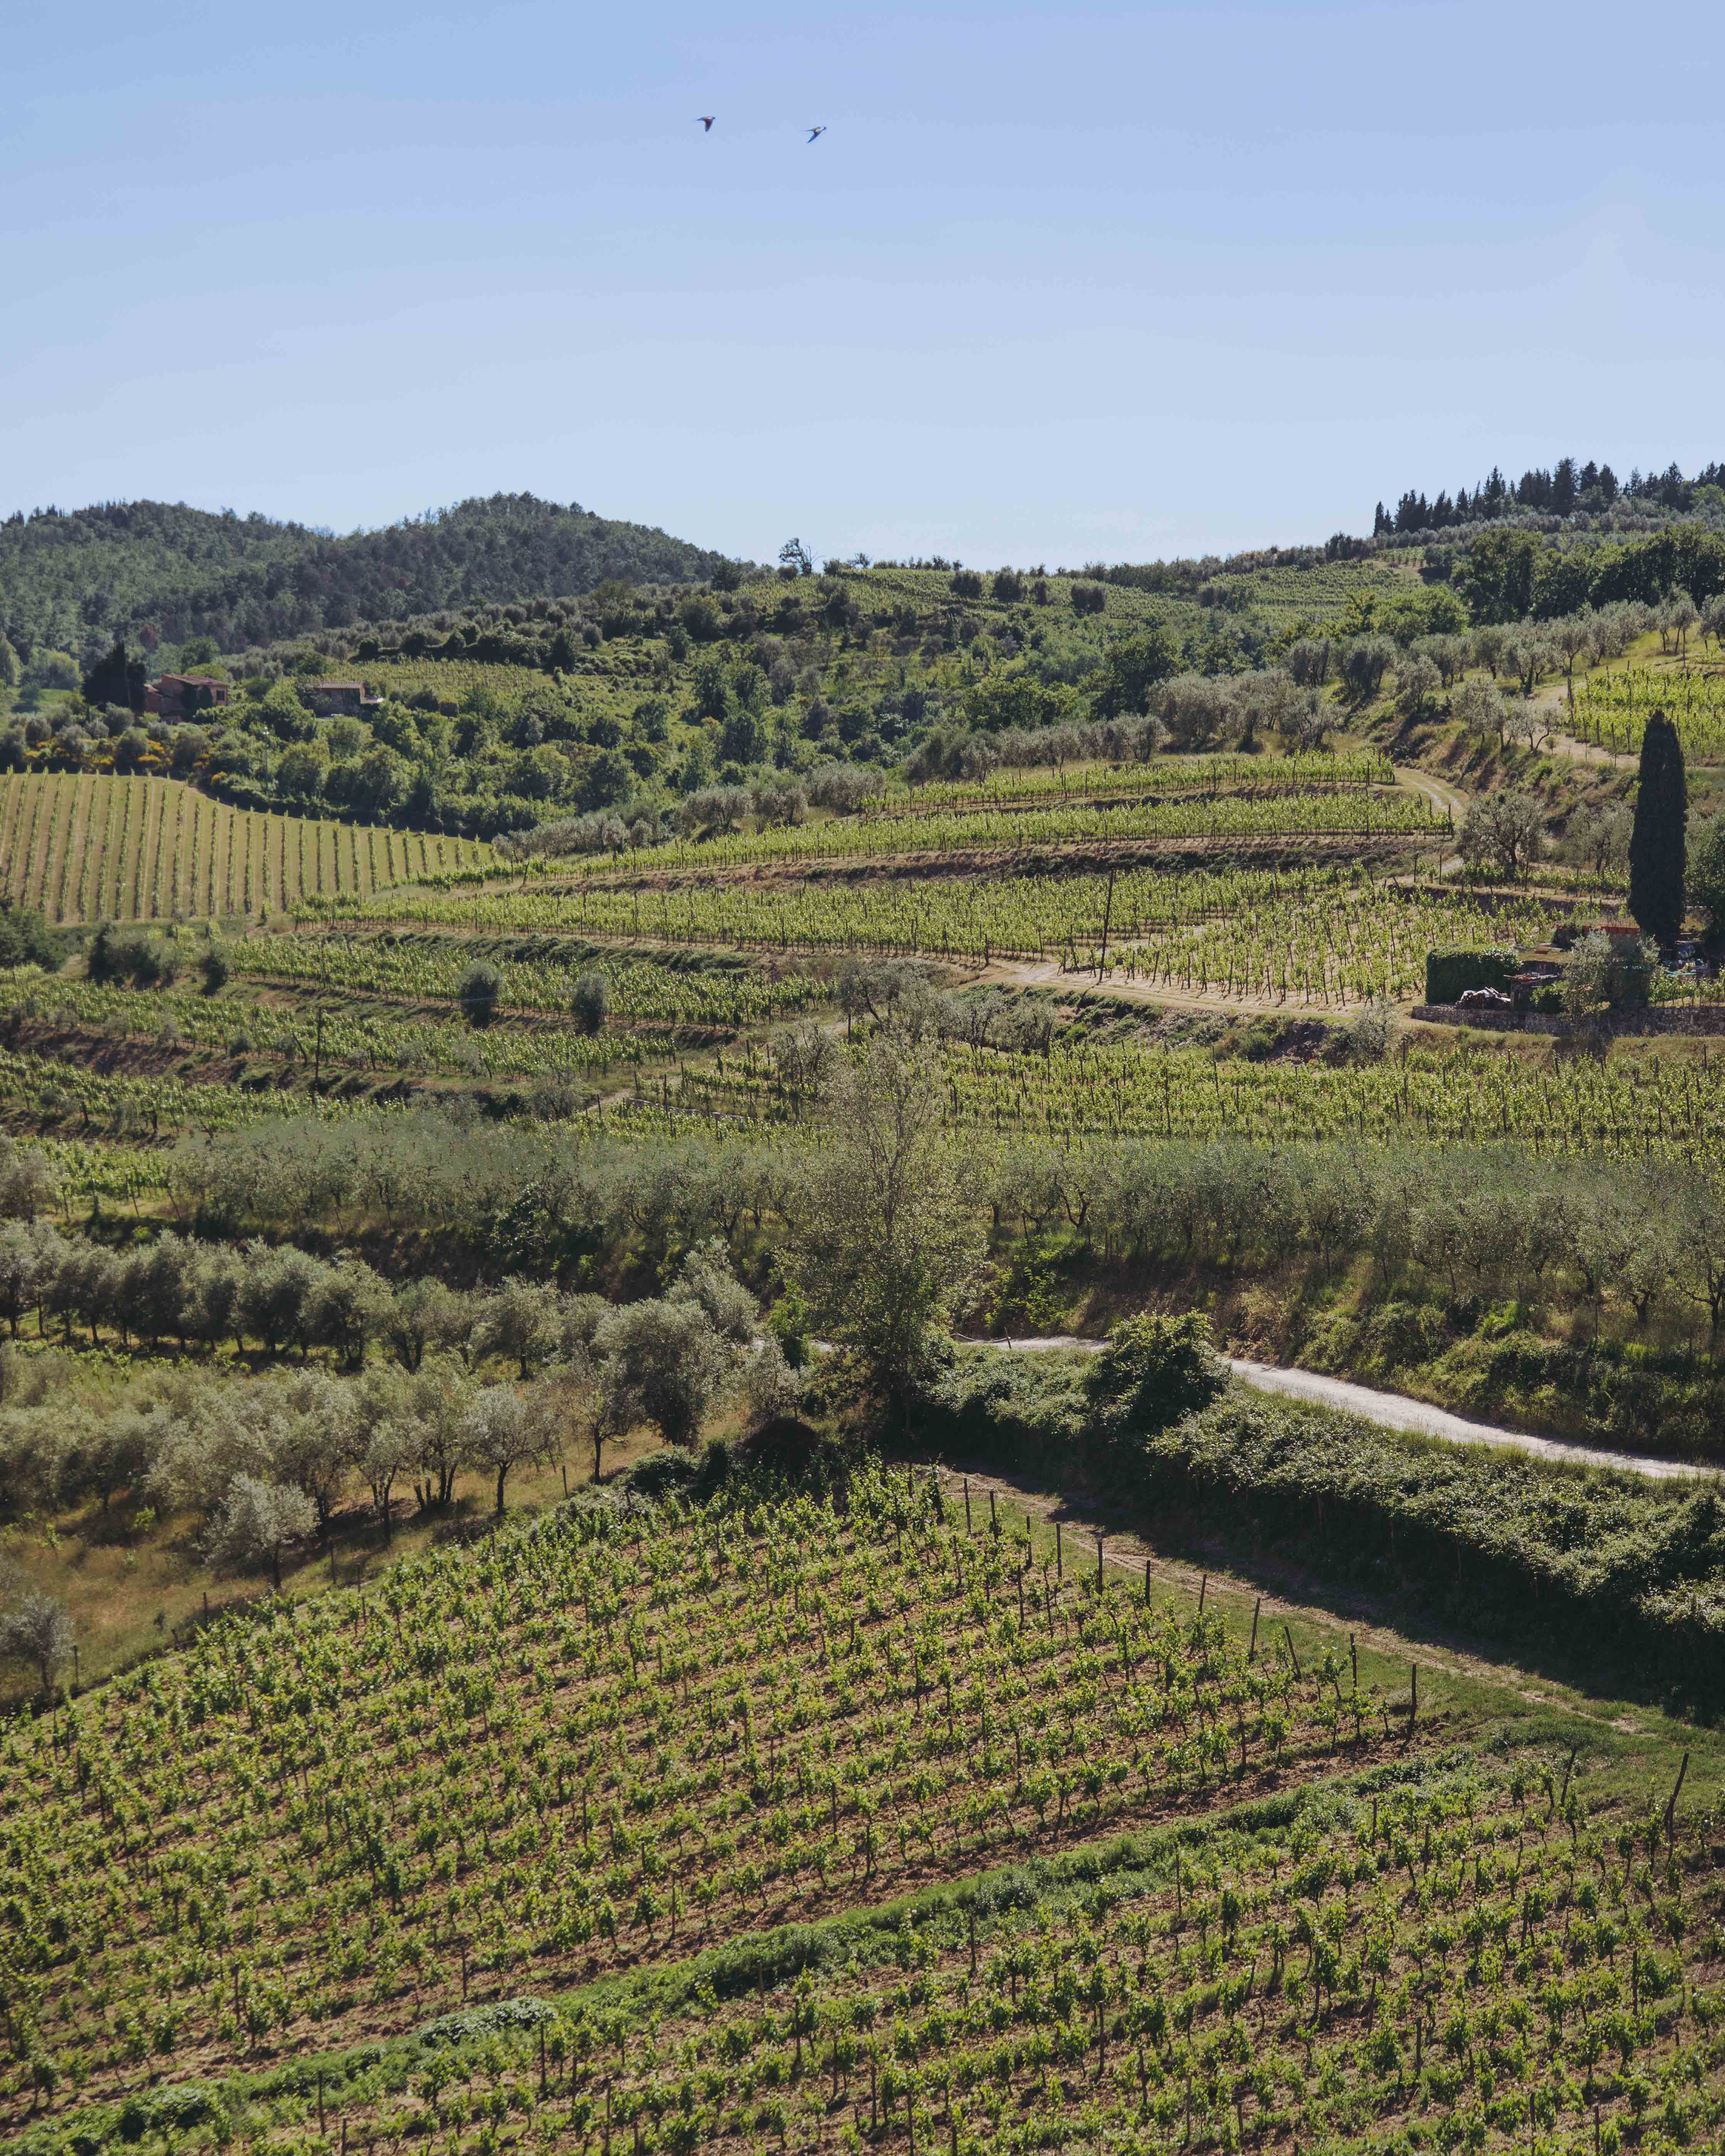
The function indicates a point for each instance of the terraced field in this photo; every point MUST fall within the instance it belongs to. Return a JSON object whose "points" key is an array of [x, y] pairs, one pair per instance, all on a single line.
{"points": [[88, 848]]}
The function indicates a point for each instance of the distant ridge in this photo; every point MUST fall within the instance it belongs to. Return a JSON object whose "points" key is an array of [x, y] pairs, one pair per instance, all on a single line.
{"points": [[156, 572]]}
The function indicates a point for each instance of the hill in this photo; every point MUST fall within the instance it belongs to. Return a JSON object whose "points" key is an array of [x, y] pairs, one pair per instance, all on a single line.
{"points": [[84, 847], [158, 573]]}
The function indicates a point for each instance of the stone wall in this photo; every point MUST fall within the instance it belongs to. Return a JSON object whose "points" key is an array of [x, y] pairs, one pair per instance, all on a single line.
{"points": [[1696, 1019]]}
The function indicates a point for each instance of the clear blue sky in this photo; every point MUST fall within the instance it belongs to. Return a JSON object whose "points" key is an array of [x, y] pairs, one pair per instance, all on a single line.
{"points": [[1054, 286]]}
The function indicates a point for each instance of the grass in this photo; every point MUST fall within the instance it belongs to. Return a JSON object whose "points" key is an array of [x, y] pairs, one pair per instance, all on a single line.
{"points": [[144, 849], [136, 1586]]}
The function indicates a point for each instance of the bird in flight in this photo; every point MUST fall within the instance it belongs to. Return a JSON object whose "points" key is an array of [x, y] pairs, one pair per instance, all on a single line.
{"points": [[814, 132], [706, 120]]}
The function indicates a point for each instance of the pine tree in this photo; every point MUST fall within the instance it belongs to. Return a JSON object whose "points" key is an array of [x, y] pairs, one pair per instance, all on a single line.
{"points": [[1656, 841]]}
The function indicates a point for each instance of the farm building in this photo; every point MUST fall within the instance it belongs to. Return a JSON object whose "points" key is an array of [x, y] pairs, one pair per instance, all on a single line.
{"points": [[178, 695]]}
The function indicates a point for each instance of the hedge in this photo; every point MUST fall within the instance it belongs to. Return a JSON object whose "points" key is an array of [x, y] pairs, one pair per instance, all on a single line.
{"points": [[1514, 1547], [1449, 974]]}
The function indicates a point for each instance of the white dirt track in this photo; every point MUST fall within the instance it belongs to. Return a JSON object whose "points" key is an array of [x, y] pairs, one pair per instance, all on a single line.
{"points": [[1395, 1411]]}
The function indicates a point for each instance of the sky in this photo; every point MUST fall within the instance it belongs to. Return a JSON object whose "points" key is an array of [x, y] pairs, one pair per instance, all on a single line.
{"points": [[1053, 288]]}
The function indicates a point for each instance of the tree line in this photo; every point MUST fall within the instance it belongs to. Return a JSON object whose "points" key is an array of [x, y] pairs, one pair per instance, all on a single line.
{"points": [[156, 573], [1566, 488], [1636, 1244]]}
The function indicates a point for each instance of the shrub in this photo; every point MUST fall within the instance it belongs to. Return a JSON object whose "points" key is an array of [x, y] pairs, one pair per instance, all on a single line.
{"points": [[480, 991], [1616, 971], [590, 1002], [1449, 974], [1155, 1369]]}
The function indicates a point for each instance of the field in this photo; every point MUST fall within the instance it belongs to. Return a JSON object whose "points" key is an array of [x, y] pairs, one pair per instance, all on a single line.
{"points": [[1293, 934], [1058, 1852], [1250, 1984], [581, 1646], [85, 849], [1612, 707]]}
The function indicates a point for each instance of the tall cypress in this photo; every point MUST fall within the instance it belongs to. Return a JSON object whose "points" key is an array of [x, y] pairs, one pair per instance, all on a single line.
{"points": [[1657, 842]]}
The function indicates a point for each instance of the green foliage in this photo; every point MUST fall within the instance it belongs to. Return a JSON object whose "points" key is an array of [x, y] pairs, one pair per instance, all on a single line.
{"points": [[1511, 1547], [1449, 974], [1133, 669], [1497, 577], [480, 989], [590, 1002], [1706, 873], [25, 939], [1154, 1369], [1657, 841], [87, 577], [130, 957], [1615, 971]]}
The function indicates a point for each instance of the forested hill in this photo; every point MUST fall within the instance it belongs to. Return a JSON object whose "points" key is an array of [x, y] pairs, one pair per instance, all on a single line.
{"points": [[156, 572]]}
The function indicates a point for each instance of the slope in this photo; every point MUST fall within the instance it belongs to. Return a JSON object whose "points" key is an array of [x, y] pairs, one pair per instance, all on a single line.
{"points": [[84, 847], [158, 572]]}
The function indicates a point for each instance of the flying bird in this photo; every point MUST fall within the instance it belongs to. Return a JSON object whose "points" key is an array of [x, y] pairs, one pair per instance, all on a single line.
{"points": [[706, 120], [814, 132]]}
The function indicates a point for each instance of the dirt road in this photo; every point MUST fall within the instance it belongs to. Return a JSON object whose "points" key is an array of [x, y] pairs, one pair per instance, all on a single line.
{"points": [[1395, 1411]]}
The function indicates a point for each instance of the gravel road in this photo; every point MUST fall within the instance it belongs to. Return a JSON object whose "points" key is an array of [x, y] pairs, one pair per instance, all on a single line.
{"points": [[1394, 1411]]}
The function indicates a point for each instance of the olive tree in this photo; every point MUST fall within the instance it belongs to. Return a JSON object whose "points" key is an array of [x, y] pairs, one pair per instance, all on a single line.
{"points": [[39, 1632], [1481, 708], [479, 993], [886, 1236], [522, 1320], [499, 1434], [1504, 829], [1609, 970], [256, 1520], [1573, 638], [662, 1361]]}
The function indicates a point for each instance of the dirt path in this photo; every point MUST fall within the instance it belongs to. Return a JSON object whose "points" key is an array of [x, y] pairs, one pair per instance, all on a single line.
{"points": [[1396, 1411]]}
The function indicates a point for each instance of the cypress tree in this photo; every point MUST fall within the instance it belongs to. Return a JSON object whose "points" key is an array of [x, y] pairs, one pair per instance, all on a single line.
{"points": [[1657, 842]]}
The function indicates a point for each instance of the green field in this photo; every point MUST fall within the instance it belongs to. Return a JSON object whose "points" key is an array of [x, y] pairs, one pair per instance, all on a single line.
{"points": [[85, 849]]}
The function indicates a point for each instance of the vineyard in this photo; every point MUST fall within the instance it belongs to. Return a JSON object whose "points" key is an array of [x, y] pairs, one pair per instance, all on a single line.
{"points": [[41, 1094], [1464, 1094], [542, 1803], [1252, 776], [1313, 935], [536, 978], [1254, 818], [619, 1729], [1612, 707], [1479, 1958], [86, 848], [594, 1747], [333, 1039]]}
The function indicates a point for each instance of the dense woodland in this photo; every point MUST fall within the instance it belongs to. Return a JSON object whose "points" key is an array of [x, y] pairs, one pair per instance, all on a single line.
{"points": [[158, 574]]}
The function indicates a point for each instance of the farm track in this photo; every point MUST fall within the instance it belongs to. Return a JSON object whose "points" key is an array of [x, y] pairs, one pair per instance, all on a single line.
{"points": [[1397, 1411]]}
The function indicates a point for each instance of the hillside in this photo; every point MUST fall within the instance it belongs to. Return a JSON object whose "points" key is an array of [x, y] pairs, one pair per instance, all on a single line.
{"points": [[158, 573], [82, 849], [501, 1699]]}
